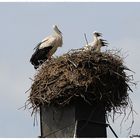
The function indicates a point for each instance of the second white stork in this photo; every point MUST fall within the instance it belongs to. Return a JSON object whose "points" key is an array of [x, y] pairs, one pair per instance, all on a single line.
{"points": [[97, 43], [47, 47]]}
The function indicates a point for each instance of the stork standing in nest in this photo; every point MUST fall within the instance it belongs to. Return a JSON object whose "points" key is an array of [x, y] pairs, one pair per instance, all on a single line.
{"points": [[47, 47], [97, 43]]}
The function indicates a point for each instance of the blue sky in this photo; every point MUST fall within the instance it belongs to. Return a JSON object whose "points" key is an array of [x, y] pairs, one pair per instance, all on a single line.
{"points": [[23, 25]]}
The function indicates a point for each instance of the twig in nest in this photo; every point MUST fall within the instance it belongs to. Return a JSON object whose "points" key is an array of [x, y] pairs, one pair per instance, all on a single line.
{"points": [[66, 101], [86, 38], [53, 81], [25, 106], [122, 121], [72, 63], [130, 128], [85, 99], [100, 93], [35, 119], [31, 79]]}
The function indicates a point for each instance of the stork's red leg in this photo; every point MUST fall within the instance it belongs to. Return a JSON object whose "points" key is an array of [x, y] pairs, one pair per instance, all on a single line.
{"points": [[49, 56]]}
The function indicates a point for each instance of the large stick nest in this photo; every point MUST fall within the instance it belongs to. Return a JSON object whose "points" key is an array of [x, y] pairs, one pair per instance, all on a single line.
{"points": [[95, 77]]}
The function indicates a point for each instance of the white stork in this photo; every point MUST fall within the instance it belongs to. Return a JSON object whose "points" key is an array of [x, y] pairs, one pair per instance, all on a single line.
{"points": [[46, 48], [97, 43]]}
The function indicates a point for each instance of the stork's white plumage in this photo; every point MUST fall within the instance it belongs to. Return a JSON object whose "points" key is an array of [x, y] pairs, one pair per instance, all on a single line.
{"points": [[47, 47], [97, 43]]}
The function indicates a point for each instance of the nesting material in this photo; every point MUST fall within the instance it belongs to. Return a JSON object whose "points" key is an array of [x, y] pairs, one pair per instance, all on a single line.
{"points": [[94, 77]]}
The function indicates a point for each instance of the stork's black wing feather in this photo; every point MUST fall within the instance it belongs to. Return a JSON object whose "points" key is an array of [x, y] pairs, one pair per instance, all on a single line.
{"points": [[104, 42], [39, 56]]}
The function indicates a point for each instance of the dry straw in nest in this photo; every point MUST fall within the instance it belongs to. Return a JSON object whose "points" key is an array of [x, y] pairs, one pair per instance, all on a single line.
{"points": [[95, 77]]}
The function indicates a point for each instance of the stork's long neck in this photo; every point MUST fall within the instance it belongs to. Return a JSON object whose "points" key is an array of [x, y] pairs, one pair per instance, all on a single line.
{"points": [[59, 37], [95, 38]]}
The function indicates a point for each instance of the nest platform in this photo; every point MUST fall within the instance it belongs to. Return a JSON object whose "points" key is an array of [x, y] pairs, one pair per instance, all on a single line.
{"points": [[94, 77]]}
